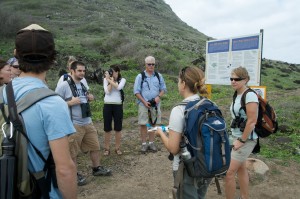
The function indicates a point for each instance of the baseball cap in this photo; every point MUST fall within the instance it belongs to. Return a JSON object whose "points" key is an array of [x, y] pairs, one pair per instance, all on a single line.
{"points": [[34, 44]]}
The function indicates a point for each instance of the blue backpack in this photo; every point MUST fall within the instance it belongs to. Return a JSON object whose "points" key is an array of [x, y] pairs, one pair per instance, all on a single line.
{"points": [[206, 139]]}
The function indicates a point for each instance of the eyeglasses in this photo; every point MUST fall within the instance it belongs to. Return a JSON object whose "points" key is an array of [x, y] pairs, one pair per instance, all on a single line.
{"points": [[15, 66], [150, 64], [236, 79]]}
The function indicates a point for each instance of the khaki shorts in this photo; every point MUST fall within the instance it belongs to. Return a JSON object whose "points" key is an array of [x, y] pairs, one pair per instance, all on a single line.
{"points": [[85, 139], [143, 115], [244, 152]]}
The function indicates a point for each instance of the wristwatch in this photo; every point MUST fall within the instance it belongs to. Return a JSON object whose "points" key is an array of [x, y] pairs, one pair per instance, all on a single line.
{"points": [[241, 140]]}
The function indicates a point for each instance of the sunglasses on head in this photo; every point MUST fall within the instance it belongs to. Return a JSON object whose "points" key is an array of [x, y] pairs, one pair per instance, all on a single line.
{"points": [[150, 64], [236, 79]]}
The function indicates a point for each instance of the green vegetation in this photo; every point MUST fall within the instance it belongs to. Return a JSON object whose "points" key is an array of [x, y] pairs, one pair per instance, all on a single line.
{"points": [[101, 33]]}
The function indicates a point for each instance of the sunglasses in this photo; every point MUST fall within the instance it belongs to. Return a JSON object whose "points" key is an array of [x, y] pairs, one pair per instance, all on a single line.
{"points": [[236, 79], [15, 66], [150, 64]]}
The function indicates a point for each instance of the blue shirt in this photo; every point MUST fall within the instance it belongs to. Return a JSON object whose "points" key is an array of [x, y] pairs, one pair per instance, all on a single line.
{"points": [[150, 87], [46, 120]]}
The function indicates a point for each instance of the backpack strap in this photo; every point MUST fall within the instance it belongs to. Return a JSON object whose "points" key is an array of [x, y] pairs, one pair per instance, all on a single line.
{"points": [[121, 91], [243, 98]]}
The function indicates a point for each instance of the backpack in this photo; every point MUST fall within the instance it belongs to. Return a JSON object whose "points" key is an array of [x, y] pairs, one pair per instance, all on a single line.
{"points": [[266, 121], [206, 139], [24, 184], [144, 77]]}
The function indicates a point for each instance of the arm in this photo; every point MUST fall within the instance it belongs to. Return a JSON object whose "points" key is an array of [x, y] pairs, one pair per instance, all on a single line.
{"points": [[65, 168], [106, 83], [172, 142]]}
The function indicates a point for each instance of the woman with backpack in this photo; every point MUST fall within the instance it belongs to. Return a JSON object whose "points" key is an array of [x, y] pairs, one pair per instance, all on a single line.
{"points": [[113, 85], [244, 137], [190, 83]]}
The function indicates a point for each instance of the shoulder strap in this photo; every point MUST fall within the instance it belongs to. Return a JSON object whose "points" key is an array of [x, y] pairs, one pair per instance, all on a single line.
{"points": [[74, 88], [143, 78], [243, 98], [157, 75]]}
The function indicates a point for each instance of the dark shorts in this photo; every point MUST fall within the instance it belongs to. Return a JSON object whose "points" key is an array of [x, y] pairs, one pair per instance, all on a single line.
{"points": [[110, 112]]}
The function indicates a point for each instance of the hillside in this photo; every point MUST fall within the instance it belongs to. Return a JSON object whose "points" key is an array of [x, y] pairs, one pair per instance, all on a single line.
{"points": [[102, 32]]}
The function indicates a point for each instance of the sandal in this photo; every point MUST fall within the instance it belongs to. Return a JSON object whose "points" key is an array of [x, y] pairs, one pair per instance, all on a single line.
{"points": [[118, 152], [106, 152]]}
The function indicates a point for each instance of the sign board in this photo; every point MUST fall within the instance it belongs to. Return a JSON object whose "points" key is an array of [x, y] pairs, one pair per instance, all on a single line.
{"points": [[225, 54]]}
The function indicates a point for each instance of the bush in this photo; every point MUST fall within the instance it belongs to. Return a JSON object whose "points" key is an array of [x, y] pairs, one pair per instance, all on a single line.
{"points": [[10, 23]]}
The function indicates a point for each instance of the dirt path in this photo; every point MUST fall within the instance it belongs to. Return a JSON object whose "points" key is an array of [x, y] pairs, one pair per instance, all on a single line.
{"points": [[137, 176]]}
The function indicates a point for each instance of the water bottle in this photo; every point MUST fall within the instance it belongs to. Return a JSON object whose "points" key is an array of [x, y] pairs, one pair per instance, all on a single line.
{"points": [[185, 154], [187, 159], [7, 169], [7, 164]]}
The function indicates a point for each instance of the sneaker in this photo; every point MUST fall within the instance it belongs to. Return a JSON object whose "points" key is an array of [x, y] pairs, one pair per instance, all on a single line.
{"points": [[101, 171], [144, 148], [152, 147], [81, 180]]}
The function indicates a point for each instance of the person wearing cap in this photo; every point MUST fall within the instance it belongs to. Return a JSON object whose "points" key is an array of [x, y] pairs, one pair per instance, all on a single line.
{"points": [[5, 72], [86, 138], [14, 67], [47, 122]]}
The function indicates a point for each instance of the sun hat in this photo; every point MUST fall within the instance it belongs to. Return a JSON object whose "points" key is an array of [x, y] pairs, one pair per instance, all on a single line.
{"points": [[34, 44]]}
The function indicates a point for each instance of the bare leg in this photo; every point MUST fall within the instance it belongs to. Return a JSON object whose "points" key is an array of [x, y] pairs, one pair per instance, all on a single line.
{"points": [[230, 184], [151, 136], [118, 139], [95, 158], [243, 181], [143, 130], [107, 137]]}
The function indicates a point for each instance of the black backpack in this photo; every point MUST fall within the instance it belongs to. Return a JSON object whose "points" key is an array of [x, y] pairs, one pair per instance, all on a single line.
{"points": [[16, 180]]}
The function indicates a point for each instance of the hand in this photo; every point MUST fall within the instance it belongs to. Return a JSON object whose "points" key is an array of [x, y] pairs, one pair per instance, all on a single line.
{"points": [[90, 97], [237, 144], [75, 101], [147, 104], [157, 99]]}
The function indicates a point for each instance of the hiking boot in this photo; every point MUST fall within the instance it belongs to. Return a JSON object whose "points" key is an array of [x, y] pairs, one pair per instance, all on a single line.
{"points": [[101, 171], [152, 148], [81, 180], [144, 148]]}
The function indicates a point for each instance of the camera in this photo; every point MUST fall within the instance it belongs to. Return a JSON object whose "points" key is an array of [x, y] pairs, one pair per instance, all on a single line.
{"points": [[85, 110], [152, 102], [238, 122], [110, 72]]}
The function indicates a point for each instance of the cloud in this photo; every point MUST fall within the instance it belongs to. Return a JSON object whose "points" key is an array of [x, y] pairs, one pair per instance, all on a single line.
{"points": [[223, 19]]}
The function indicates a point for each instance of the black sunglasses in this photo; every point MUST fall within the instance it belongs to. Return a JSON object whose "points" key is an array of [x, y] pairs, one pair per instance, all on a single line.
{"points": [[236, 79], [15, 66], [150, 64]]}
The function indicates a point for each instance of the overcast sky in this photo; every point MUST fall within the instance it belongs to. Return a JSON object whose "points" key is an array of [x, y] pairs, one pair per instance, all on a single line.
{"points": [[220, 19]]}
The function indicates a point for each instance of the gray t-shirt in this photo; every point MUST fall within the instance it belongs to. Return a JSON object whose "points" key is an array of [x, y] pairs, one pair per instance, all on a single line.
{"points": [[64, 90], [176, 123]]}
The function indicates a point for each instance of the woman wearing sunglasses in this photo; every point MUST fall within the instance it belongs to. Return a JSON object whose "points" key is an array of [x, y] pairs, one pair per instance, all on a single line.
{"points": [[244, 137], [14, 67]]}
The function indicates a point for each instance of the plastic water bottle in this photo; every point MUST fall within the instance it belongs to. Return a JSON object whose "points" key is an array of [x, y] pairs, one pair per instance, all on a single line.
{"points": [[185, 154]]}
